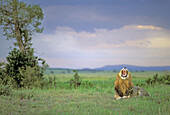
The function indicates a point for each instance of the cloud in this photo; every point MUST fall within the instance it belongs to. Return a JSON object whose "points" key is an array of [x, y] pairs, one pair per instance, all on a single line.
{"points": [[144, 27], [131, 42], [87, 17], [159, 43]]}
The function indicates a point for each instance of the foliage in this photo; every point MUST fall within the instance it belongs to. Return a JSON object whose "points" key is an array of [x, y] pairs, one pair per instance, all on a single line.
{"points": [[158, 80], [31, 77], [19, 20], [76, 80], [24, 69], [49, 82], [5, 89], [4, 79]]}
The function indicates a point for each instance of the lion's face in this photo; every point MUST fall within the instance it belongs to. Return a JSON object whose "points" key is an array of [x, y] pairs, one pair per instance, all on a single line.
{"points": [[124, 73]]}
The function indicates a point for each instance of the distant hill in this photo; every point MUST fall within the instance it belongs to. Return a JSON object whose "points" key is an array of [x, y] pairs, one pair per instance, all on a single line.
{"points": [[134, 68], [118, 68]]}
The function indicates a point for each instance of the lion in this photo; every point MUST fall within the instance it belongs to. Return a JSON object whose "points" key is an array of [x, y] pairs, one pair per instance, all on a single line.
{"points": [[123, 84]]}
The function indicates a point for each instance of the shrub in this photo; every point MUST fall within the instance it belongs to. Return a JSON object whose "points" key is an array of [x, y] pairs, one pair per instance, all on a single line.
{"points": [[49, 82], [158, 80], [24, 68], [5, 89], [30, 77], [76, 80]]}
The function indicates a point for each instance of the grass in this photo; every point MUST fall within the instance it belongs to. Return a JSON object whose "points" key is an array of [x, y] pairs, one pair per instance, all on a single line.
{"points": [[103, 75], [97, 99]]}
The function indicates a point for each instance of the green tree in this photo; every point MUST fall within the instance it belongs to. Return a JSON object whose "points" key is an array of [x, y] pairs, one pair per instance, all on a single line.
{"points": [[19, 20]]}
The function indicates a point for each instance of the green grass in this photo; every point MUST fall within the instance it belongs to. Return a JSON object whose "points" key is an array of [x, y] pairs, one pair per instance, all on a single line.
{"points": [[105, 75], [95, 99]]}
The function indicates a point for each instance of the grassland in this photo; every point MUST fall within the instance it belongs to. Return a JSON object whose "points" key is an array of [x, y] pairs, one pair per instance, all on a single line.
{"points": [[94, 96]]}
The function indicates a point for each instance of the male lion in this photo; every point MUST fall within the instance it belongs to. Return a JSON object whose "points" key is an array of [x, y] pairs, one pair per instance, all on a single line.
{"points": [[123, 84], [124, 87]]}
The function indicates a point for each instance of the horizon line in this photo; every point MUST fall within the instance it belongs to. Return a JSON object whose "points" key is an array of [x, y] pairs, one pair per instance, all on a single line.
{"points": [[108, 65]]}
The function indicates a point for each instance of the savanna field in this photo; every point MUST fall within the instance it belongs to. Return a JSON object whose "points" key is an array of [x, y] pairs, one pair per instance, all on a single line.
{"points": [[84, 33], [95, 95]]}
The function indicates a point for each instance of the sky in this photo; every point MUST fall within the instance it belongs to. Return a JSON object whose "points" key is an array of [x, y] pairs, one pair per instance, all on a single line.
{"points": [[95, 33]]}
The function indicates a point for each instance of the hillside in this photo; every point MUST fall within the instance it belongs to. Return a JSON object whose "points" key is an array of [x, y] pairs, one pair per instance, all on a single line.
{"points": [[117, 68], [134, 68]]}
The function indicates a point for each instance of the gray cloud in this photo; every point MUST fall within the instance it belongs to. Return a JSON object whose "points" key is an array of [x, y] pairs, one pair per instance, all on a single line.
{"points": [[131, 42], [110, 15]]}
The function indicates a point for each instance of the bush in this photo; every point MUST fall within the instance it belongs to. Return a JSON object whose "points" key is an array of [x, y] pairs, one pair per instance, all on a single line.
{"points": [[158, 80], [30, 77], [49, 82], [76, 80], [5, 90], [24, 68]]}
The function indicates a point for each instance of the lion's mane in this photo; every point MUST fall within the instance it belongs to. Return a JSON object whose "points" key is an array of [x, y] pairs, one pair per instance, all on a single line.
{"points": [[123, 87]]}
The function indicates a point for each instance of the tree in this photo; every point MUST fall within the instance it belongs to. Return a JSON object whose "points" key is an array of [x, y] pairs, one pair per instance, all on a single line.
{"points": [[19, 20]]}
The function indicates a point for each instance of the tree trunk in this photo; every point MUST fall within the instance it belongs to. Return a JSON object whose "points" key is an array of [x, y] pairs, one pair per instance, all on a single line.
{"points": [[17, 28]]}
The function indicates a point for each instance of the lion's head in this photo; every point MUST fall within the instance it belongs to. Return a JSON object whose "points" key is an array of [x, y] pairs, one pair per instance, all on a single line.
{"points": [[124, 73]]}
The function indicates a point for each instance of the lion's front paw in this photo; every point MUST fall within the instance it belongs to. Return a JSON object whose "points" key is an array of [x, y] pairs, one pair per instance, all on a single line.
{"points": [[124, 97], [118, 98]]}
